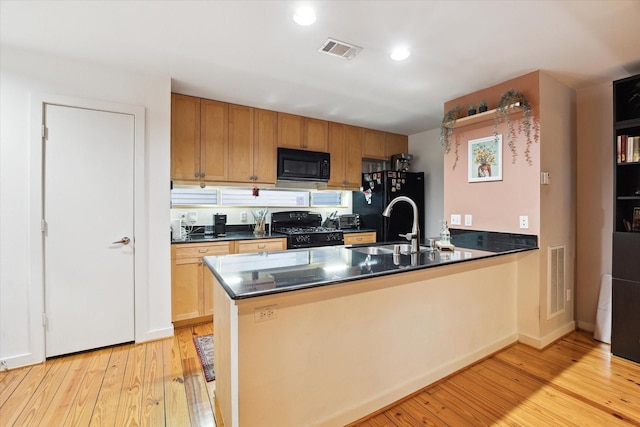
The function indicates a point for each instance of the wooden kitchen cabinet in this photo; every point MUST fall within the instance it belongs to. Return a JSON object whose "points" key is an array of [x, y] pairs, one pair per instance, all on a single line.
{"points": [[265, 144], [192, 282], [302, 133], [260, 245], [252, 145], [359, 238], [185, 137], [373, 144], [395, 144], [199, 139], [345, 147]]}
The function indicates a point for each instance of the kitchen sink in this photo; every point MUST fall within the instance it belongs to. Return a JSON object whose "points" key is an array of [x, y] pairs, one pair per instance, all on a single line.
{"points": [[372, 250], [404, 248]]}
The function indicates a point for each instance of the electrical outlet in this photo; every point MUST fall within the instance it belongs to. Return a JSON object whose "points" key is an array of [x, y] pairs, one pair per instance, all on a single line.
{"points": [[192, 217], [468, 220], [524, 222], [243, 216], [262, 314], [455, 219]]}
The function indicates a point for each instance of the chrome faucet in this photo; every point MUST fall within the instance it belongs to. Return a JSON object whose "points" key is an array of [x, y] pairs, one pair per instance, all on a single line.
{"points": [[414, 236]]}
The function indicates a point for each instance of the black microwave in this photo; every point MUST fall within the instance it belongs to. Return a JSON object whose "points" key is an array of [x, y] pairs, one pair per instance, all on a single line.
{"points": [[301, 165]]}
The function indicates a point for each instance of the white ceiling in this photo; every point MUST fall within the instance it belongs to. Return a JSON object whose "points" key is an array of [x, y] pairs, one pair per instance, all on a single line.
{"points": [[252, 53]]}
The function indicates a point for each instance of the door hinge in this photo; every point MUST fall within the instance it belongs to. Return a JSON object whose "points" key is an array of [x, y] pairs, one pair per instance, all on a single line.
{"points": [[44, 319], [45, 132], [43, 225]]}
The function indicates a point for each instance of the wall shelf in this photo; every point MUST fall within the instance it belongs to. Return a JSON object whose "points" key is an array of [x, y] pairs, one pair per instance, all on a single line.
{"points": [[479, 117]]}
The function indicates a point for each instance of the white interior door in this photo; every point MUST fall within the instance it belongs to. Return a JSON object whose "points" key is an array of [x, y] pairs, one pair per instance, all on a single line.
{"points": [[88, 211]]}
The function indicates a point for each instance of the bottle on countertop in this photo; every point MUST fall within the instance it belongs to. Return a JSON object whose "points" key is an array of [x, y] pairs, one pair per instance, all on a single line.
{"points": [[445, 234]]}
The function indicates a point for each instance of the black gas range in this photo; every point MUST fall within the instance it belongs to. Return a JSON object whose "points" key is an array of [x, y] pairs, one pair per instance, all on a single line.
{"points": [[303, 229]]}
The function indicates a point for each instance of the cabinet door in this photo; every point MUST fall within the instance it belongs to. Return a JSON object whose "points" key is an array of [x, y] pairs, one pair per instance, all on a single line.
{"points": [[316, 134], [240, 143], [260, 245], [353, 145], [290, 131], [338, 152], [265, 139], [185, 137], [186, 288], [373, 144], [625, 319], [359, 238], [214, 139], [395, 144]]}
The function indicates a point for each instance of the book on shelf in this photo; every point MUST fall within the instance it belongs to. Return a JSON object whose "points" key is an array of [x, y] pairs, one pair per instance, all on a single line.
{"points": [[635, 225], [628, 149]]}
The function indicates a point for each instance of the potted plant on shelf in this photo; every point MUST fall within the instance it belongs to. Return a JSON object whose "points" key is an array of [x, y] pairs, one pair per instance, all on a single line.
{"points": [[472, 109], [513, 101], [482, 107]]}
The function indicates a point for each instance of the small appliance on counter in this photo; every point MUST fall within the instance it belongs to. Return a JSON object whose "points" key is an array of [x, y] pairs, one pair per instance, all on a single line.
{"points": [[349, 222], [331, 221], [220, 225]]}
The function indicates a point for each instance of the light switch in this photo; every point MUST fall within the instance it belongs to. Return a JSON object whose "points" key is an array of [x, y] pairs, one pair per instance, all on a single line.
{"points": [[456, 219], [468, 220]]}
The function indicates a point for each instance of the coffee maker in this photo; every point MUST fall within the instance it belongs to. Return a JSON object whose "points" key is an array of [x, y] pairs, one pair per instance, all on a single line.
{"points": [[220, 225]]}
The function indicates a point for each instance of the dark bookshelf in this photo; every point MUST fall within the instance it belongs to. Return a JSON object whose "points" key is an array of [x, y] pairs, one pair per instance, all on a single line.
{"points": [[625, 316]]}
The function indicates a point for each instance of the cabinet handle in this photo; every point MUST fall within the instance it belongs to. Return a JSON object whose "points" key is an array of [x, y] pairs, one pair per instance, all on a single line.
{"points": [[203, 250], [359, 239], [262, 246], [200, 263]]}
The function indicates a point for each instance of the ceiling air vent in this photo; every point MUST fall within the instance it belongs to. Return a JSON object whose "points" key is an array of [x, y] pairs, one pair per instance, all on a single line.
{"points": [[340, 49]]}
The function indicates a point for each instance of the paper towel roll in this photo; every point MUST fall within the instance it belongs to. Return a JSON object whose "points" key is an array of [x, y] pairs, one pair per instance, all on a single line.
{"points": [[176, 229]]}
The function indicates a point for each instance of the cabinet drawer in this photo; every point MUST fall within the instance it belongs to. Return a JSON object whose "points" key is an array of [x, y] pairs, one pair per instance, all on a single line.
{"points": [[359, 238], [262, 245], [183, 251]]}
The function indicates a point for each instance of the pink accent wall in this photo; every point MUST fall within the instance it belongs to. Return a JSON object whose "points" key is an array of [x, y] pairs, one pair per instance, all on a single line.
{"points": [[495, 205]]}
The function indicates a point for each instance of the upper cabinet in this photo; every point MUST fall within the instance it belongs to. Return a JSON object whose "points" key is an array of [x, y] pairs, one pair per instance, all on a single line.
{"points": [[345, 147], [265, 143], [302, 133], [214, 140], [198, 139], [185, 137], [241, 134], [395, 144], [382, 145]]}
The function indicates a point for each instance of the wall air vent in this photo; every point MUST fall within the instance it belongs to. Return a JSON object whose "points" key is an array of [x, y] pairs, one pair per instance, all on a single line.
{"points": [[340, 49], [556, 281]]}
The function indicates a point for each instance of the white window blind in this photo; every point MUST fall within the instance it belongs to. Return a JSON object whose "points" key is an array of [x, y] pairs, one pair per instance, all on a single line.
{"points": [[183, 196], [329, 198], [278, 198]]}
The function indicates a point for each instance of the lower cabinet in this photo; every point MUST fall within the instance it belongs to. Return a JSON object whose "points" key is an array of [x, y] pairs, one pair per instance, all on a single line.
{"points": [[359, 238], [192, 282]]}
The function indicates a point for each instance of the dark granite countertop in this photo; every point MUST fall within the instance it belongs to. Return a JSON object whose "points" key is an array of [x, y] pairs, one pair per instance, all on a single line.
{"points": [[252, 275]]}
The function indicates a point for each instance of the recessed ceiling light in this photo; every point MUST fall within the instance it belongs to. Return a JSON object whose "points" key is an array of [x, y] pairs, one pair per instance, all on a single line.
{"points": [[400, 54], [304, 16]]}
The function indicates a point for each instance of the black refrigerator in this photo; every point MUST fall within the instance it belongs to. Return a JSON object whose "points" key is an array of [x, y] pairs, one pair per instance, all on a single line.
{"points": [[378, 189]]}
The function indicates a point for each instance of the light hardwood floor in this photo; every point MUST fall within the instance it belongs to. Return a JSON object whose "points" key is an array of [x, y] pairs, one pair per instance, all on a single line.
{"points": [[574, 382]]}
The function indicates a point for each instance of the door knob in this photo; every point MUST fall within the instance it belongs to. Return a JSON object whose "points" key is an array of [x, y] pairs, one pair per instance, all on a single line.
{"points": [[125, 241]]}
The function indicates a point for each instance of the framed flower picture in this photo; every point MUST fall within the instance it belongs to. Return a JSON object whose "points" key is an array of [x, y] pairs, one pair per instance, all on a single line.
{"points": [[485, 159]]}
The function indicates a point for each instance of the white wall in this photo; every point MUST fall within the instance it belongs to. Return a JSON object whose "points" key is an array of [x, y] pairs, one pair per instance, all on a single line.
{"points": [[428, 157], [23, 74], [594, 198]]}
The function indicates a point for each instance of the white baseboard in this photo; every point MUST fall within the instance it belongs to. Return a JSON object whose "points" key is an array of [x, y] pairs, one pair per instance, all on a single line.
{"points": [[585, 326], [155, 334], [542, 342]]}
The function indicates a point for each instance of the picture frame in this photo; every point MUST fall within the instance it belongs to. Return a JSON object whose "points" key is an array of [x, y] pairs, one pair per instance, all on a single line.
{"points": [[485, 159]]}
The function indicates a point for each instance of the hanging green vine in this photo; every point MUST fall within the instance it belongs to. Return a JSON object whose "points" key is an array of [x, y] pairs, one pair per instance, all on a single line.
{"points": [[509, 103], [446, 129]]}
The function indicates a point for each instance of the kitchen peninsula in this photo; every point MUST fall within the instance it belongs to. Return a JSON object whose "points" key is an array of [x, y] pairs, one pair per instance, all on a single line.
{"points": [[325, 336]]}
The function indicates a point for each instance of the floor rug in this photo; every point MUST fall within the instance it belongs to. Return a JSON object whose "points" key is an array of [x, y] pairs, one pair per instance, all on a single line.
{"points": [[204, 347]]}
